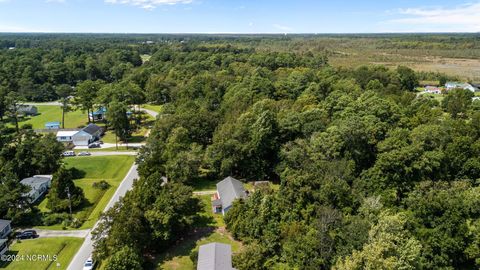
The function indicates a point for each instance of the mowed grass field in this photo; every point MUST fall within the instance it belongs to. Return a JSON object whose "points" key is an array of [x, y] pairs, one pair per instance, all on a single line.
{"points": [[210, 229], [63, 247], [112, 169], [52, 113], [155, 108]]}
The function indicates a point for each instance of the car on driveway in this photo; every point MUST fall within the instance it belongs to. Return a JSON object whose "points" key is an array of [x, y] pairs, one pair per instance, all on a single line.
{"points": [[84, 154], [94, 145], [69, 154], [89, 264], [28, 234]]}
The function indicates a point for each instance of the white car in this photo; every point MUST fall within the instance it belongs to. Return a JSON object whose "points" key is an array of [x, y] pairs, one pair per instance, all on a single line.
{"points": [[83, 154], [89, 264], [69, 154]]}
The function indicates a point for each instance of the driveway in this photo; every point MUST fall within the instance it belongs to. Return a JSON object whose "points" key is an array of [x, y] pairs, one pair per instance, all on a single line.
{"points": [[62, 233], [86, 249], [152, 113]]}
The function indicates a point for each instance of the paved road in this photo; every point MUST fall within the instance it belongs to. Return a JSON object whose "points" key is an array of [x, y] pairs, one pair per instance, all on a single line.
{"points": [[109, 153], [86, 249], [111, 145], [51, 103]]}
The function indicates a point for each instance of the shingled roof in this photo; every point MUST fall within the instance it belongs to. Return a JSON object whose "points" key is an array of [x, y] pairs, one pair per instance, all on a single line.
{"points": [[215, 256], [92, 129], [230, 189]]}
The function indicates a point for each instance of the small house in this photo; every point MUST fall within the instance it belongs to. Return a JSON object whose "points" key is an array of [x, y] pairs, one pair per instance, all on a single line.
{"points": [[3, 246], [98, 114], [457, 85], [52, 125], [215, 256], [38, 184], [433, 90], [66, 136], [228, 190], [87, 135], [5, 228], [27, 110]]}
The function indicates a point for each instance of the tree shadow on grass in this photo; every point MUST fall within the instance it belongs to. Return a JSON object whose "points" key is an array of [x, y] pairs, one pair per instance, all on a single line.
{"points": [[10, 257]]}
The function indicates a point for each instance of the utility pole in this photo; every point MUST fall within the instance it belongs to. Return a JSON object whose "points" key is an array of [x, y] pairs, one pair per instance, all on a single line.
{"points": [[69, 201]]}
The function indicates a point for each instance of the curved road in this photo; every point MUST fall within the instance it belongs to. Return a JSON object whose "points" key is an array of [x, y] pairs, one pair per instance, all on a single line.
{"points": [[86, 249]]}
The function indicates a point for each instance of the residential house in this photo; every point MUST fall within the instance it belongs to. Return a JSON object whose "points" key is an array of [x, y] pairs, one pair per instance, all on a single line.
{"points": [[87, 135], [98, 115], [5, 228], [27, 110], [39, 184], [215, 256], [3, 246], [52, 125], [66, 136], [433, 90], [228, 190], [457, 85]]}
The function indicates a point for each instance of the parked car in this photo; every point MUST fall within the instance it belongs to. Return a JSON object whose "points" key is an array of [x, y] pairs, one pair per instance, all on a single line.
{"points": [[69, 154], [89, 264], [94, 145], [100, 142], [28, 234], [84, 154]]}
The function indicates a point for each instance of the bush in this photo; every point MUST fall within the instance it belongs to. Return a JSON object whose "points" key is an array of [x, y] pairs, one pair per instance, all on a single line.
{"points": [[54, 218], [103, 185]]}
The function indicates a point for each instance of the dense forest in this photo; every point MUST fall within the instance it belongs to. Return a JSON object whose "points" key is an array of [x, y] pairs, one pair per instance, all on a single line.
{"points": [[371, 175]]}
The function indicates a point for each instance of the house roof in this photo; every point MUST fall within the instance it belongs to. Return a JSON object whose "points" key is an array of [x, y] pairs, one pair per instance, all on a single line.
{"points": [[230, 189], [36, 182], [4, 223], [215, 256], [91, 129], [52, 124], [26, 107], [3, 241], [64, 133]]}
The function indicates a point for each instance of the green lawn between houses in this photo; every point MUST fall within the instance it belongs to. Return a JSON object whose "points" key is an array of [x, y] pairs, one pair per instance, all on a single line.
{"points": [[64, 247], [210, 228], [155, 108], [53, 113], [109, 168]]}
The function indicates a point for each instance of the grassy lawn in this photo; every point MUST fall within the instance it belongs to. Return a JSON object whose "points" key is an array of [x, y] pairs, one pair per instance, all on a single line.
{"points": [[50, 113], [203, 184], [209, 229], [112, 169], [64, 247], [155, 108]]}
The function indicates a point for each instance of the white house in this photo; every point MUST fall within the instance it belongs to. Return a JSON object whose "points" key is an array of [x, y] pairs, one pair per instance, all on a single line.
{"points": [[39, 184], [66, 136], [457, 85], [228, 190]]}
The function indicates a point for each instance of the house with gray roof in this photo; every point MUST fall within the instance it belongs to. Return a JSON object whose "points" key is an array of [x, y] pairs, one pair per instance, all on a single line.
{"points": [[3, 246], [215, 256], [38, 184], [5, 228], [27, 110], [228, 190], [87, 135]]}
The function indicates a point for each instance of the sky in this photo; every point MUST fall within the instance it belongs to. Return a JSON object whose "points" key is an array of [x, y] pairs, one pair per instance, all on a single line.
{"points": [[239, 16]]}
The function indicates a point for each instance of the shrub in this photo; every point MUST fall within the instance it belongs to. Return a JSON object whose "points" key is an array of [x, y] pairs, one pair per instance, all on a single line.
{"points": [[103, 185]]}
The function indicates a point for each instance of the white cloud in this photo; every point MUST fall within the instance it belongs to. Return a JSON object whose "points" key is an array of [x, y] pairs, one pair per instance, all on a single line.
{"points": [[149, 4], [283, 27], [463, 18]]}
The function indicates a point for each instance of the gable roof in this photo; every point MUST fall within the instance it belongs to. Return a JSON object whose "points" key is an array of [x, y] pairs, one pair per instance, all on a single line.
{"points": [[92, 129], [215, 256], [230, 189], [52, 124], [35, 182], [4, 223], [26, 108]]}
